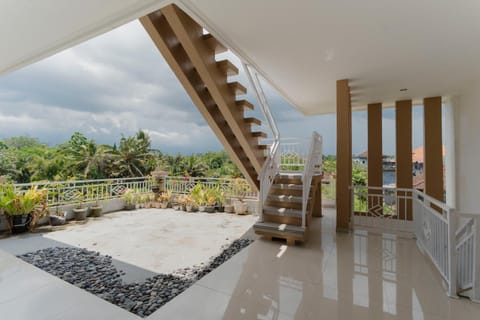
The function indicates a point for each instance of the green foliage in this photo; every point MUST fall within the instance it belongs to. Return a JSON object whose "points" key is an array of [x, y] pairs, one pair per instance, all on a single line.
{"points": [[359, 175], [17, 203], [25, 159]]}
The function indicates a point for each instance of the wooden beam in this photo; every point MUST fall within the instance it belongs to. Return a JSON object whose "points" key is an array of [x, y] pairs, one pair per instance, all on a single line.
{"points": [[375, 156], [190, 35], [344, 155], [403, 138], [433, 149], [165, 40]]}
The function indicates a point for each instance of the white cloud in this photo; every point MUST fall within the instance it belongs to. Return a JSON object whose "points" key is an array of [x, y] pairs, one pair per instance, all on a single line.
{"points": [[119, 83]]}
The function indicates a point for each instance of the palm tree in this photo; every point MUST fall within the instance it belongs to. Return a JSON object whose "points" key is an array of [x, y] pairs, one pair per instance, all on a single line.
{"points": [[132, 155], [87, 157]]}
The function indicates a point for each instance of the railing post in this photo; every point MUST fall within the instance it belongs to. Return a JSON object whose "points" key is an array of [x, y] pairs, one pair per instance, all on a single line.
{"points": [[452, 253], [476, 260]]}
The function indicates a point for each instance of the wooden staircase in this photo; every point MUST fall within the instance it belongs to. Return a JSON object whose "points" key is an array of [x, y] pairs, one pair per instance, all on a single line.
{"points": [[191, 55], [282, 212]]}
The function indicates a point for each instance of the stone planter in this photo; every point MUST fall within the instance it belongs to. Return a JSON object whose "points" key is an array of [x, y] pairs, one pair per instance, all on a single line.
{"points": [[229, 208], [80, 213], [210, 209], [164, 205], [130, 206], [191, 208], [96, 211], [240, 207], [20, 223]]}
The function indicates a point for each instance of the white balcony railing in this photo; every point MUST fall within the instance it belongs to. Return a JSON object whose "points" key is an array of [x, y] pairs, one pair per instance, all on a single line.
{"points": [[61, 193], [454, 252]]}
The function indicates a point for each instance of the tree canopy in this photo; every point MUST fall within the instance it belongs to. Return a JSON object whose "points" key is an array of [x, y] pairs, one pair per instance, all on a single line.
{"points": [[26, 159]]}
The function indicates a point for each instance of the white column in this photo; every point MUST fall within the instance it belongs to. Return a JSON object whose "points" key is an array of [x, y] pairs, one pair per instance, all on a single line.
{"points": [[450, 190]]}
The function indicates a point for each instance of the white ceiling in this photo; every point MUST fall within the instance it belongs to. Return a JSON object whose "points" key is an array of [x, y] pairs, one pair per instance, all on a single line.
{"points": [[431, 47], [33, 30], [302, 47]]}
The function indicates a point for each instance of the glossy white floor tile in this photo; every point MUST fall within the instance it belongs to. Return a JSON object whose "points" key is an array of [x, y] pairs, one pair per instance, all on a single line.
{"points": [[30, 293], [333, 276]]}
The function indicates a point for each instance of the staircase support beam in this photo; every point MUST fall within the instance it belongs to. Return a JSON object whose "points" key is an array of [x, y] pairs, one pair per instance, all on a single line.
{"points": [[190, 34], [166, 41]]}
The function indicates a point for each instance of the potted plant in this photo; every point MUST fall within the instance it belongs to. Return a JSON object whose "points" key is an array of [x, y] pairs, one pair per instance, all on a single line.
{"points": [[177, 202], [165, 199], [80, 209], [19, 206], [219, 200], [229, 208], [58, 218], [198, 195], [210, 199], [241, 189], [130, 199], [96, 210], [190, 205]]}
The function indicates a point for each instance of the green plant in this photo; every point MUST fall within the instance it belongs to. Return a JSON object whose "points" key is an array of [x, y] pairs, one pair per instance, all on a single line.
{"points": [[79, 200], [14, 203], [165, 197], [130, 197], [219, 196], [198, 194]]}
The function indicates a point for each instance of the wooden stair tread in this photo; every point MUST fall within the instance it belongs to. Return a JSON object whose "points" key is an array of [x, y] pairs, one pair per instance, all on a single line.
{"points": [[252, 120], [282, 211], [279, 228], [227, 67], [244, 104], [214, 44], [237, 88], [259, 134], [284, 198], [287, 186]]}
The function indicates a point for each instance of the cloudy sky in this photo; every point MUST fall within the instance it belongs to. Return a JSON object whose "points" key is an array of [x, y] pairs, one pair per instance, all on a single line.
{"points": [[119, 83]]}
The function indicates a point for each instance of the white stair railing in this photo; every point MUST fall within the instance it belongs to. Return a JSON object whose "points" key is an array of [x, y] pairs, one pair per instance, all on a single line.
{"points": [[313, 164], [435, 227], [468, 255], [270, 167]]}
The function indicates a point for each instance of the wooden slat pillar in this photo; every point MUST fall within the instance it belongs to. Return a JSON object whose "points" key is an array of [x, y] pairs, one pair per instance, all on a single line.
{"points": [[433, 153], [317, 196], [375, 157], [403, 138], [344, 155]]}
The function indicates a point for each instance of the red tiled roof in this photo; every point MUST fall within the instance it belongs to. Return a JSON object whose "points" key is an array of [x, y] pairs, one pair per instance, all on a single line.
{"points": [[418, 154]]}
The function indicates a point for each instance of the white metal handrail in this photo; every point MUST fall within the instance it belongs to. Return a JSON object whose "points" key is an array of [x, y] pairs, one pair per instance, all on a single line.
{"points": [[454, 252], [270, 167], [313, 164], [468, 255], [435, 227]]}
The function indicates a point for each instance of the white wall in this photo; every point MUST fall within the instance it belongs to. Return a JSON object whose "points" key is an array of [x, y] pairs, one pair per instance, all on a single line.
{"points": [[467, 145]]}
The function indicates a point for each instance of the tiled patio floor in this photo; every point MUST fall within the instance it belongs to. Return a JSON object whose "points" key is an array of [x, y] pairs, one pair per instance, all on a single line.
{"points": [[333, 276]]}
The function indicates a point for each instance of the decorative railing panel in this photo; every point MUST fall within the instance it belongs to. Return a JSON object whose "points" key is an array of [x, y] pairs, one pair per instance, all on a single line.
{"points": [[61, 193], [231, 187]]}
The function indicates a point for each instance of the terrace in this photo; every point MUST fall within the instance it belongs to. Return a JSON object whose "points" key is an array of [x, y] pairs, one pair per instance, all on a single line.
{"points": [[382, 252]]}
